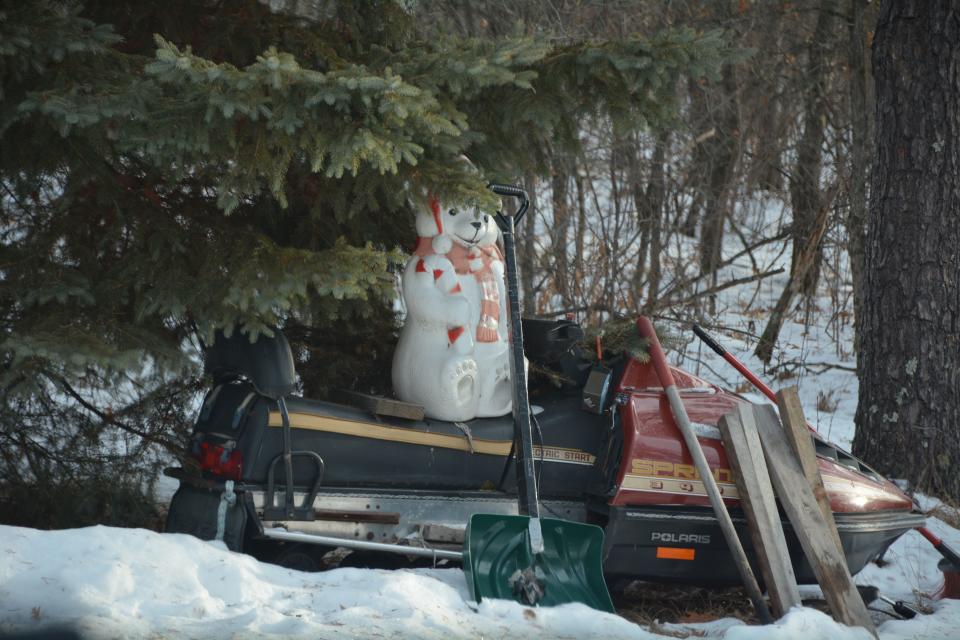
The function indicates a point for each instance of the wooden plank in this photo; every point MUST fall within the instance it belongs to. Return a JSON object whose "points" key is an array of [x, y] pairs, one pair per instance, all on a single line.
{"points": [[826, 559], [745, 453], [801, 439], [381, 406]]}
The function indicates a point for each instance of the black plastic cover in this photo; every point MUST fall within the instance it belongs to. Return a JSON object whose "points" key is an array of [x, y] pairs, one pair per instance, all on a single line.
{"points": [[267, 363], [547, 341], [194, 511]]}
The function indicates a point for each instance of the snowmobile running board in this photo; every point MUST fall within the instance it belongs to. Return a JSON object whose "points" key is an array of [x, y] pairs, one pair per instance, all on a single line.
{"points": [[502, 541], [362, 545], [563, 589]]}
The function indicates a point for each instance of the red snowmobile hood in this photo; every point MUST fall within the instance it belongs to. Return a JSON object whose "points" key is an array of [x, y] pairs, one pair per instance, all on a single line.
{"points": [[657, 469]]}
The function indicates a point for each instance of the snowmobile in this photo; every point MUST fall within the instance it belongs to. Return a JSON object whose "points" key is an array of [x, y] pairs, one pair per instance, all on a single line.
{"points": [[288, 478], [607, 452]]}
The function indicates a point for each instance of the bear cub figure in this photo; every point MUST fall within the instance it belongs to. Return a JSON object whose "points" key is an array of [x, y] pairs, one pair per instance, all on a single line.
{"points": [[453, 355]]}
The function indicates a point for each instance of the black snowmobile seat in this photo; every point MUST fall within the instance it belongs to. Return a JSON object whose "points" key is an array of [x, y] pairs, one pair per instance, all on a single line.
{"points": [[267, 362]]}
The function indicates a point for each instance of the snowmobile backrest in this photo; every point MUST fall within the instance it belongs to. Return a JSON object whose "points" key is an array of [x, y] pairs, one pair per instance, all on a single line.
{"points": [[267, 363], [547, 341]]}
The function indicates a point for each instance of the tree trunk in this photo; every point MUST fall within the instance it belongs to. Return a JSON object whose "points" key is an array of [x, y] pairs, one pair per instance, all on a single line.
{"points": [[559, 231], [808, 253], [644, 214], [723, 151], [609, 221], [656, 194], [859, 154], [768, 134], [805, 196], [578, 238], [700, 162], [909, 411]]}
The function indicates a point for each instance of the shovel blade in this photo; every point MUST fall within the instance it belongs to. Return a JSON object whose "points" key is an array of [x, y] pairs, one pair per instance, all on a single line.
{"points": [[570, 567]]}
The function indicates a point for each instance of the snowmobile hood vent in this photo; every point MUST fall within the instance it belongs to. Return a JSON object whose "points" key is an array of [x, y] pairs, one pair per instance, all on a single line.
{"points": [[267, 363]]}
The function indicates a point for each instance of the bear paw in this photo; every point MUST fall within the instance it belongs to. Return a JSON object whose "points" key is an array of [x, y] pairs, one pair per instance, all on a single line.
{"points": [[460, 377]]}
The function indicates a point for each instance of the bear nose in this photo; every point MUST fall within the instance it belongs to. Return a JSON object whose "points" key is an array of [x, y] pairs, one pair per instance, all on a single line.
{"points": [[477, 225]]}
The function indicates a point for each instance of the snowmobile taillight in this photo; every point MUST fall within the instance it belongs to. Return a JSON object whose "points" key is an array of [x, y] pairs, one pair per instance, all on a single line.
{"points": [[221, 462]]}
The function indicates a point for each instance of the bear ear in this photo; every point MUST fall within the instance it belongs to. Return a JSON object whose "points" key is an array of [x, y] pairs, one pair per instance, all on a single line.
{"points": [[426, 227], [430, 222]]}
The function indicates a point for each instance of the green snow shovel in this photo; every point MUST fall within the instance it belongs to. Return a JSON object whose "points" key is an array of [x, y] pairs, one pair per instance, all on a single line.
{"points": [[537, 561]]}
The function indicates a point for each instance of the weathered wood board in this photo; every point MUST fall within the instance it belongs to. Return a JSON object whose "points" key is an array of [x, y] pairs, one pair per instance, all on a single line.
{"points": [[826, 559], [381, 406], [795, 426], [745, 453]]}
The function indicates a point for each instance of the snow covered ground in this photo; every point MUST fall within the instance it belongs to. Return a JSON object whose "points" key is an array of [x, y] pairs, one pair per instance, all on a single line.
{"points": [[132, 583]]}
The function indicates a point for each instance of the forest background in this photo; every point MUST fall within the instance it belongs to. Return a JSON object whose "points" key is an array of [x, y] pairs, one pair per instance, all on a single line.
{"points": [[254, 164]]}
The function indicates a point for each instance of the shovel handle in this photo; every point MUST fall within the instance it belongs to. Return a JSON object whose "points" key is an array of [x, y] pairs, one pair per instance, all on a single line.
{"points": [[511, 191], [527, 501], [657, 357], [507, 190], [739, 366], [940, 546], [659, 360], [709, 341]]}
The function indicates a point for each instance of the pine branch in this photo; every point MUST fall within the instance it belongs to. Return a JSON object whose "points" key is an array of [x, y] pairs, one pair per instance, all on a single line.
{"points": [[109, 418]]}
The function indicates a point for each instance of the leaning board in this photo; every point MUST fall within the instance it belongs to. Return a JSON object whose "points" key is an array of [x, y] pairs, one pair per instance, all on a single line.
{"points": [[796, 496], [742, 444], [795, 427]]}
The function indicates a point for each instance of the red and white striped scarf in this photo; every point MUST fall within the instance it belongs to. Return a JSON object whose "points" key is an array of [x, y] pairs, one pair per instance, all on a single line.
{"points": [[475, 260]]}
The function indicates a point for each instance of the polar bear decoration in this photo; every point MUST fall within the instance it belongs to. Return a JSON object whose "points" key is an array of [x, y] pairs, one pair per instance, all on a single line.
{"points": [[453, 356]]}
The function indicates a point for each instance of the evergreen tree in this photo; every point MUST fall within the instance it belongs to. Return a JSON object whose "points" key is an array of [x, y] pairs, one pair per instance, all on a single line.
{"points": [[173, 168]]}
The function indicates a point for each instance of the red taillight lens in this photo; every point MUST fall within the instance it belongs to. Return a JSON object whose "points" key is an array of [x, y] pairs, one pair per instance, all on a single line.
{"points": [[219, 461], [232, 467], [207, 456]]}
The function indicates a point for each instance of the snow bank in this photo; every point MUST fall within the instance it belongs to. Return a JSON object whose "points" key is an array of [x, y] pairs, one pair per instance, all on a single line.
{"points": [[131, 583]]}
